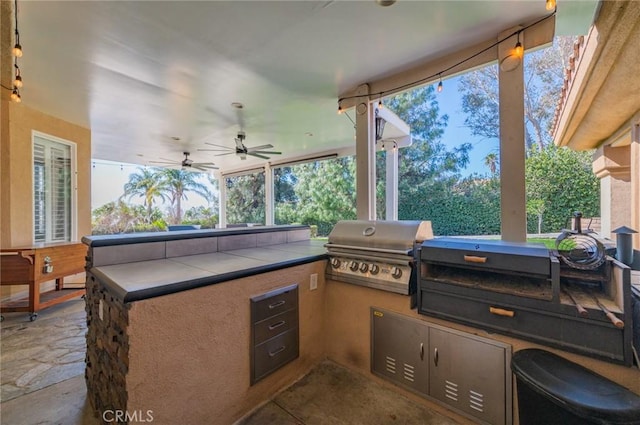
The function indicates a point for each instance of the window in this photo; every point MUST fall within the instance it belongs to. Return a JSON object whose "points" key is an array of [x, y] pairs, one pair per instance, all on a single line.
{"points": [[53, 203], [245, 198], [317, 193]]}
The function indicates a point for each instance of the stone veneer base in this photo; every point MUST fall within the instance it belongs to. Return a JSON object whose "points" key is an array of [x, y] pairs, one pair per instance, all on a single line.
{"points": [[107, 361]]}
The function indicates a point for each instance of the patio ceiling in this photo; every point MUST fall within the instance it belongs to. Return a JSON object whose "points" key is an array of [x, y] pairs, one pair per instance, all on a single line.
{"points": [[152, 79]]}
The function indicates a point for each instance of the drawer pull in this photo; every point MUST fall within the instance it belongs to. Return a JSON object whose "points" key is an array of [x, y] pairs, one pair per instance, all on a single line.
{"points": [[474, 259], [501, 312], [276, 325], [421, 351], [278, 304], [279, 350], [435, 356]]}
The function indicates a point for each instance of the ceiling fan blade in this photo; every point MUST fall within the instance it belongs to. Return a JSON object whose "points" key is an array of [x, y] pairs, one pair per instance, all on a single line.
{"points": [[207, 166], [203, 169], [257, 155], [164, 162], [267, 152], [227, 153], [218, 146], [212, 150], [258, 148]]}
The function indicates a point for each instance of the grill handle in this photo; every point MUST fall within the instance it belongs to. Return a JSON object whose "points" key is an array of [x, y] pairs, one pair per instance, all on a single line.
{"points": [[366, 248], [501, 312], [475, 259]]}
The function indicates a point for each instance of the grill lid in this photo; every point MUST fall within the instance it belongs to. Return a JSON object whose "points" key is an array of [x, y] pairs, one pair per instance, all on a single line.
{"points": [[488, 246], [379, 235]]}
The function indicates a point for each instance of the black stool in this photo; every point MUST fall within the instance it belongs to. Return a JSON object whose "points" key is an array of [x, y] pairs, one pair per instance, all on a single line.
{"points": [[554, 390]]}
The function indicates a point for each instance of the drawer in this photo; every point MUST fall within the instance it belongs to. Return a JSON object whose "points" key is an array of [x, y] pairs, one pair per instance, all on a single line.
{"points": [[275, 325], [273, 302], [592, 337], [273, 354]]}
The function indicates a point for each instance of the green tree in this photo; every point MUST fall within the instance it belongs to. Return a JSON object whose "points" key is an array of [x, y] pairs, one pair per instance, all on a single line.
{"points": [[206, 217], [560, 181], [491, 161], [326, 193], [120, 217], [245, 198], [428, 170], [177, 184], [543, 78], [148, 184]]}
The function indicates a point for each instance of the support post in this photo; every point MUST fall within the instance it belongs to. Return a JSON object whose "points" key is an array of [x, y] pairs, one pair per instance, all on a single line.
{"points": [[391, 184], [513, 215], [222, 207], [365, 156], [268, 195]]}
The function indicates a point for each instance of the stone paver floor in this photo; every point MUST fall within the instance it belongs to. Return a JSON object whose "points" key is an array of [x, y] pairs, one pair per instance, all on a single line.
{"points": [[49, 350]]}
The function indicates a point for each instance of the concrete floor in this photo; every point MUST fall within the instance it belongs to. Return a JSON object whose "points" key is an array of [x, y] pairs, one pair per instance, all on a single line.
{"points": [[42, 381], [331, 394]]}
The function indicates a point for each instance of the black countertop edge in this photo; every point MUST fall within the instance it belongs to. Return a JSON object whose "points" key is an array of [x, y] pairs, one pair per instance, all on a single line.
{"points": [[173, 288], [130, 238]]}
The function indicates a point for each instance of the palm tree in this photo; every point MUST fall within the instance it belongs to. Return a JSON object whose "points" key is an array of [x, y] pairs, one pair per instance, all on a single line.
{"points": [[148, 184], [491, 161], [177, 183]]}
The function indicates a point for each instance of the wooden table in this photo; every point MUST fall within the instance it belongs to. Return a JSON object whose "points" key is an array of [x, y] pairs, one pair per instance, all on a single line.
{"points": [[39, 263]]}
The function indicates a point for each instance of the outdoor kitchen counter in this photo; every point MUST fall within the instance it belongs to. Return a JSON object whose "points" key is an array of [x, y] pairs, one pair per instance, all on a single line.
{"points": [[152, 278], [169, 327], [138, 266]]}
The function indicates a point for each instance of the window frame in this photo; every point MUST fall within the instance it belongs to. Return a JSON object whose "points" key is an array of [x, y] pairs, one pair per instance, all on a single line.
{"points": [[73, 188]]}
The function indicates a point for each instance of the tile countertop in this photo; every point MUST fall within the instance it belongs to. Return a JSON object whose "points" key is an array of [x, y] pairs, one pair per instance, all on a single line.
{"points": [[153, 278]]}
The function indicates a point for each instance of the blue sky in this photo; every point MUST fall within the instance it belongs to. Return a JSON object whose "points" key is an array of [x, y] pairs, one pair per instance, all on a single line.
{"points": [[456, 133]]}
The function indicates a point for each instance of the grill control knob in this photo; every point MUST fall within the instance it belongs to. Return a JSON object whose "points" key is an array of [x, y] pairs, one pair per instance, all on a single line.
{"points": [[374, 269], [335, 263], [354, 266], [396, 272], [364, 267]]}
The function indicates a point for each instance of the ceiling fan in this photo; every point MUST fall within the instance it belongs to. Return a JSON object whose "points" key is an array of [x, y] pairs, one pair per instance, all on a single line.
{"points": [[187, 163], [241, 150]]}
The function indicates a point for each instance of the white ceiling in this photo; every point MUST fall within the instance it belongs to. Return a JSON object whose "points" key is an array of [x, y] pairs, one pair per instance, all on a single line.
{"points": [[141, 73]]}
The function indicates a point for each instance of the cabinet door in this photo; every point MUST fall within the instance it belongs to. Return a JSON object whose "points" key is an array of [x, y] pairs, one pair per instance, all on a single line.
{"points": [[399, 350], [468, 374]]}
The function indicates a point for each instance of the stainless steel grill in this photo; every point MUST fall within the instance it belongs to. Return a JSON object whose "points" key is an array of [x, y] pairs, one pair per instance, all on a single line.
{"points": [[377, 254]]}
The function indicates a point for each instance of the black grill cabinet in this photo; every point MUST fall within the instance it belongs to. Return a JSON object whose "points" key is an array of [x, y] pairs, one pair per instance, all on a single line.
{"points": [[521, 290]]}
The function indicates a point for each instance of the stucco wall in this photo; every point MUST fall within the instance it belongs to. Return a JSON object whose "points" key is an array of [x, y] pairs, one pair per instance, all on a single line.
{"points": [[211, 327], [18, 122], [348, 336]]}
